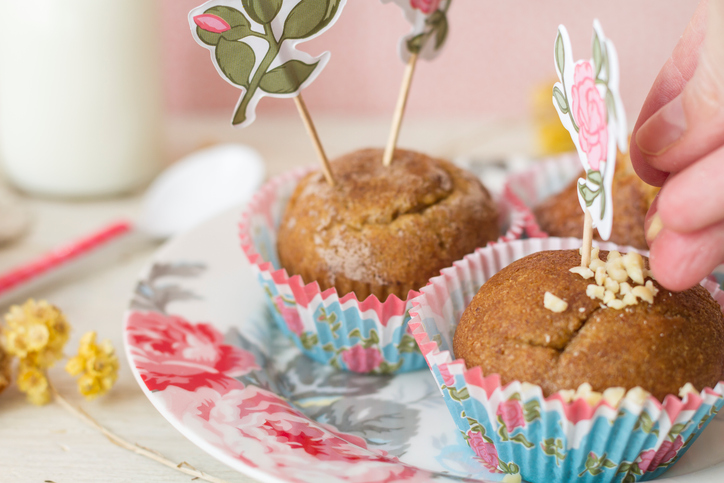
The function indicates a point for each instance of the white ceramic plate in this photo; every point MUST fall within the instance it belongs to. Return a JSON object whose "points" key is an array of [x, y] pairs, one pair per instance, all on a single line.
{"points": [[204, 350]]}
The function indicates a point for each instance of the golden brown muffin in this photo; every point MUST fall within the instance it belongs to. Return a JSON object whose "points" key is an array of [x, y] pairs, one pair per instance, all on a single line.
{"points": [[660, 347], [561, 215], [384, 230], [5, 368]]}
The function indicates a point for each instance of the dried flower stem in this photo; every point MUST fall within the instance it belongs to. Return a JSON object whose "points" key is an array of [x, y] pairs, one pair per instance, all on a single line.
{"points": [[140, 450]]}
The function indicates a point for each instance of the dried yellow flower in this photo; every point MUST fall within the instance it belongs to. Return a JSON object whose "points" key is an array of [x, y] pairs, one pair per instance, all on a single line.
{"points": [[96, 364], [36, 332], [5, 366], [34, 383]]}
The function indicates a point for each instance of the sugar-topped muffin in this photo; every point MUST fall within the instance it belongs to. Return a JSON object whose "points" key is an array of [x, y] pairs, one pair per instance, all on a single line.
{"points": [[384, 230], [508, 329]]}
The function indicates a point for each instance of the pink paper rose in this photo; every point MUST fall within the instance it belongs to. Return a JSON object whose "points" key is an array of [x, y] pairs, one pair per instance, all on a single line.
{"points": [[425, 6], [666, 453], [212, 23], [485, 451], [646, 458], [589, 111], [511, 412], [290, 316], [169, 351], [359, 359]]}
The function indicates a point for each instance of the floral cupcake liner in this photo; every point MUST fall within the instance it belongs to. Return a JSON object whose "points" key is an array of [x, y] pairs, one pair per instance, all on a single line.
{"points": [[514, 429], [367, 336], [526, 189]]}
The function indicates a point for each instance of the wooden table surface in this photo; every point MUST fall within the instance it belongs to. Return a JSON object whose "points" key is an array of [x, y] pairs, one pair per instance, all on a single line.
{"points": [[39, 444]]}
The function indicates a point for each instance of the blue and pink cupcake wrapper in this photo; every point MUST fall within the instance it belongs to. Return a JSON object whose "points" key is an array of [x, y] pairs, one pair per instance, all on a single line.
{"points": [[514, 429], [367, 336]]}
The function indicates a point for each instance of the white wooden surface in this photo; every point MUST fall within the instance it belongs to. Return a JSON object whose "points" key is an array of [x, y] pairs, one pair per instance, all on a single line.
{"points": [[48, 444]]}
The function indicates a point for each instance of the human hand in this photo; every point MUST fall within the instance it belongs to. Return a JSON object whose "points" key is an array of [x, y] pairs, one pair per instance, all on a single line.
{"points": [[678, 143]]}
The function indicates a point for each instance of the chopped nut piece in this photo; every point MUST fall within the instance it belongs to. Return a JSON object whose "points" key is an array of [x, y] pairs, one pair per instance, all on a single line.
{"points": [[624, 288], [637, 395], [611, 285], [594, 253], [634, 265], [613, 255], [595, 291], [687, 389], [608, 296], [616, 304], [595, 264], [553, 303], [613, 395], [636, 274], [643, 293], [630, 299], [600, 275], [586, 392], [618, 274], [583, 272], [650, 285]]}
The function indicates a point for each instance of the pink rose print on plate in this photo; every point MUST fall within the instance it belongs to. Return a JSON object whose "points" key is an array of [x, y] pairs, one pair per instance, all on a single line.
{"points": [[169, 351], [261, 429], [425, 6], [486, 452], [290, 316], [511, 412], [359, 359], [589, 111]]}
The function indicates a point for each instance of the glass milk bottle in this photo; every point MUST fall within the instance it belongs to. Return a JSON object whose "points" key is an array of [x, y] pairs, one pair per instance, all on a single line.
{"points": [[80, 103]]}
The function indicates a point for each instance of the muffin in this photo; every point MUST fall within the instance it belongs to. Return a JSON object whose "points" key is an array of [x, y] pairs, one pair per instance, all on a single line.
{"points": [[507, 330], [560, 215], [384, 230], [513, 427]]}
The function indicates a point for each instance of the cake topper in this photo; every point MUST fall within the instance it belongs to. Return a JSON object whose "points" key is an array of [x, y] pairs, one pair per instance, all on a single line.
{"points": [[429, 32], [589, 105], [253, 46]]}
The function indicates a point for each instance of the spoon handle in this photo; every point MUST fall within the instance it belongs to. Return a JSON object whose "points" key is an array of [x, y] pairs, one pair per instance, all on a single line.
{"points": [[61, 255]]}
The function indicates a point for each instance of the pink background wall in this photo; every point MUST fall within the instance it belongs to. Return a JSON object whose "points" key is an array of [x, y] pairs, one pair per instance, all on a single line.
{"points": [[497, 51]]}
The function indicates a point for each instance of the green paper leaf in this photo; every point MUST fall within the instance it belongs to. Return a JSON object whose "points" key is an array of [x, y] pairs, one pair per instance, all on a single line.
{"points": [[374, 337], [610, 105], [588, 195], [309, 340], [236, 60], [415, 44], [514, 469], [629, 478], [309, 17], [459, 395], [355, 333], [594, 177], [561, 100], [232, 16], [560, 53], [286, 78], [591, 461], [595, 471], [597, 55], [408, 344], [677, 428], [520, 438], [624, 468], [262, 11], [608, 463], [441, 31], [328, 347], [237, 33], [503, 466]]}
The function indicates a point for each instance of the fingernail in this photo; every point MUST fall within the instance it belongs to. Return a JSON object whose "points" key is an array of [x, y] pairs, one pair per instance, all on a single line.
{"points": [[655, 227], [662, 129]]}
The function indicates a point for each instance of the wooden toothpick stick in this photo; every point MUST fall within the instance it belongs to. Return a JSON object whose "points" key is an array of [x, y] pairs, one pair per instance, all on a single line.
{"points": [[326, 168], [400, 110], [587, 240]]}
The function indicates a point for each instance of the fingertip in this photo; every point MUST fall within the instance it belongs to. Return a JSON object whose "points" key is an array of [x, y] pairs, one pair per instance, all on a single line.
{"points": [[644, 170], [667, 267]]}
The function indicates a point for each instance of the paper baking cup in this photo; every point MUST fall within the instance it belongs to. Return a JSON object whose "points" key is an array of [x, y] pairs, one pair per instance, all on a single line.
{"points": [[527, 189], [514, 429], [366, 336]]}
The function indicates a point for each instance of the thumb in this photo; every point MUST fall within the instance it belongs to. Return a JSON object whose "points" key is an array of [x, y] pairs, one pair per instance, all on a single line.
{"points": [[691, 125]]}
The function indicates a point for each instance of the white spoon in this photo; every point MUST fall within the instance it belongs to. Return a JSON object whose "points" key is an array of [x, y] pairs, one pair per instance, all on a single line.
{"points": [[190, 191]]}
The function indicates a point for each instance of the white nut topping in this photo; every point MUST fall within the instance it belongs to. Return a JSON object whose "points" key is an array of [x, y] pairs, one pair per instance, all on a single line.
{"points": [[586, 392], [595, 291], [630, 299], [613, 255], [567, 394], [608, 296], [596, 263], [616, 304], [553, 303], [634, 265], [650, 285], [594, 253], [613, 395], [624, 288], [643, 293], [600, 275], [687, 389], [611, 285], [584, 272]]}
